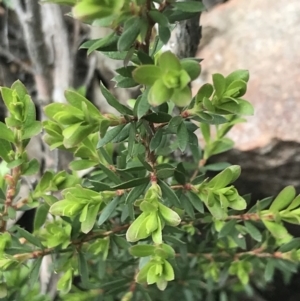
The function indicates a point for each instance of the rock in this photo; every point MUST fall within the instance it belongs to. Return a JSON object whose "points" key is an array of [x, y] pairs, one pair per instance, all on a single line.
{"points": [[263, 37]]}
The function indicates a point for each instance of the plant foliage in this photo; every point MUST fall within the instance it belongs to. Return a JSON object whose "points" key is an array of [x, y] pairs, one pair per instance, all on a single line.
{"points": [[142, 220]]}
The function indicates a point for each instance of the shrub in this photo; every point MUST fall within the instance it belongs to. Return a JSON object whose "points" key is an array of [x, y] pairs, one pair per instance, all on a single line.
{"points": [[143, 220]]}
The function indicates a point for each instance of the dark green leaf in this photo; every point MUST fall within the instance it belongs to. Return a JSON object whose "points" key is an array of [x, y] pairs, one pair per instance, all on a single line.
{"points": [[189, 6], [110, 174], [158, 117], [164, 34], [110, 135], [29, 237], [33, 168], [135, 193], [35, 272], [294, 244], [227, 229], [40, 216], [269, 270], [108, 210], [156, 140], [145, 58], [169, 193], [253, 231], [83, 269], [126, 71], [112, 101], [261, 205], [124, 82], [165, 173], [182, 136], [143, 105], [132, 183], [130, 33], [196, 201], [5, 149], [174, 124], [6, 133]]}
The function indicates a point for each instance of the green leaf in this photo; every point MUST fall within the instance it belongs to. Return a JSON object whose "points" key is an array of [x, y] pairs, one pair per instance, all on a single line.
{"points": [[32, 129], [135, 193], [83, 269], [147, 74], [219, 84], [227, 229], [110, 135], [76, 100], [124, 82], [35, 272], [81, 164], [253, 231], [294, 244], [237, 75], [284, 198], [40, 216], [217, 166], [182, 97], [278, 231], [164, 34], [142, 250], [182, 136], [295, 203], [108, 210], [126, 71], [222, 179], [159, 93], [205, 130], [101, 44], [6, 133], [205, 91], [110, 174], [174, 124], [15, 163], [189, 6], [195, 201], [168, 61], [269, 270], [169, 193], [130, 33], [29, 237], [159, 117], [143, 105], [5, 149], [88, 224], [32, 168], [112, 101], [132, 183], [159, 18], [156, 140], [260, 205], [191, 67], [180, 174]]}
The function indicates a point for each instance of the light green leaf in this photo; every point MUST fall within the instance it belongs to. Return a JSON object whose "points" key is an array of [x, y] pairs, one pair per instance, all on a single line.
{"points": [[6, 133], [168, 61], [219, 84], [147, 74], [284, 199]]}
